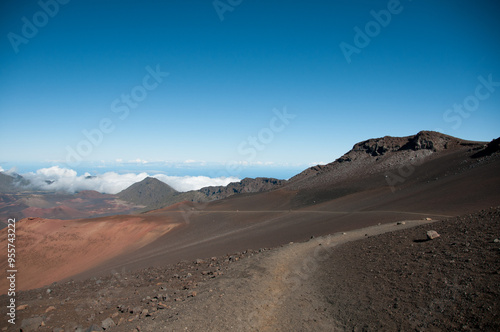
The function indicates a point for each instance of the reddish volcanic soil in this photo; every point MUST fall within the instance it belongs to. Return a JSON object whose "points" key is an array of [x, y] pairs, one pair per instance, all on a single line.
{"points": [[49, 250], [85, 204]]}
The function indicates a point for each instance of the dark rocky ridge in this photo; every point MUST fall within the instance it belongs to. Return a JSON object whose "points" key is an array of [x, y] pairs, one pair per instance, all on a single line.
{"points": [[424, 140], [491, 148], [381, 154], [246, 185]]}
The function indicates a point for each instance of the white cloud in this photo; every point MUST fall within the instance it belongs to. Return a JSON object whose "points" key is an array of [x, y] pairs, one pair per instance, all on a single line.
{"points": [[186, 183], [12, 171], [63, 179], [138, 161], [315, 163]]}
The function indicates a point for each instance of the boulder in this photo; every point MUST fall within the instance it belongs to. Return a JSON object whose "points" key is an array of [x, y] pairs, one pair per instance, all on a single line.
{"points": [[431, 235], [107, 323], [31, 324]]}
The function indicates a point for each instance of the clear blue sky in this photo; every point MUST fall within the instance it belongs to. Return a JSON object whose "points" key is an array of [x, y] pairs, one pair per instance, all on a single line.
{"points": [[226, 77]]}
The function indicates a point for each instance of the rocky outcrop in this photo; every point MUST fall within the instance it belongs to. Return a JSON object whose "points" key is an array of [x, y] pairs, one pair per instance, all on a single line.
{"points": [[490, 148], [382, 154], [246, 185], [424, 140]]}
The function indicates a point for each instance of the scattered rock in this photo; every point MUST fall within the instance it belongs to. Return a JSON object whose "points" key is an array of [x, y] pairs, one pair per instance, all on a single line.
{"points": [[192, 294], [401, 223], [161, 306], [431, 235], [49, 290], [496, 240], [50, 309], [136, 310], [107, 323], [199, 261], [22, 307], [428, 219]]}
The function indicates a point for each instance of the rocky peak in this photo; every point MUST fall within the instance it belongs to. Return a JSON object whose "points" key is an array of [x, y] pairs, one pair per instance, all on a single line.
{"points": [[424, 140]]}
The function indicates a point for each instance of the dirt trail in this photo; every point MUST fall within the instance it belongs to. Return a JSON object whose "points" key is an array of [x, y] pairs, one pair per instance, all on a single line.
{"points": [[288, 300], [272, 291]]}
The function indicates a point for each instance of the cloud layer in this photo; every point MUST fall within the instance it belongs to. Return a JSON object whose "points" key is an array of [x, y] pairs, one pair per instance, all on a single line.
{"points": [[62, 179]]}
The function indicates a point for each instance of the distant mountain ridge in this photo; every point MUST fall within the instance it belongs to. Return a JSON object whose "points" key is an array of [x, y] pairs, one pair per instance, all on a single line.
{"points": [[9, 182], [366, 157], [246, 185], [377, 155], [152, 193], [148, 192]]}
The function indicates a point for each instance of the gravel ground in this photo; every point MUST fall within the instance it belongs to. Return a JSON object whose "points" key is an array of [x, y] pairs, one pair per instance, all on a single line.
{"points": [[386, 277]]}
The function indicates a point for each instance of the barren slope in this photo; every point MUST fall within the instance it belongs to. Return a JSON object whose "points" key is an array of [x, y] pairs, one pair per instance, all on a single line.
{"points": [[449, 181], [448, 184], [384, 277], [49, 250]]}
